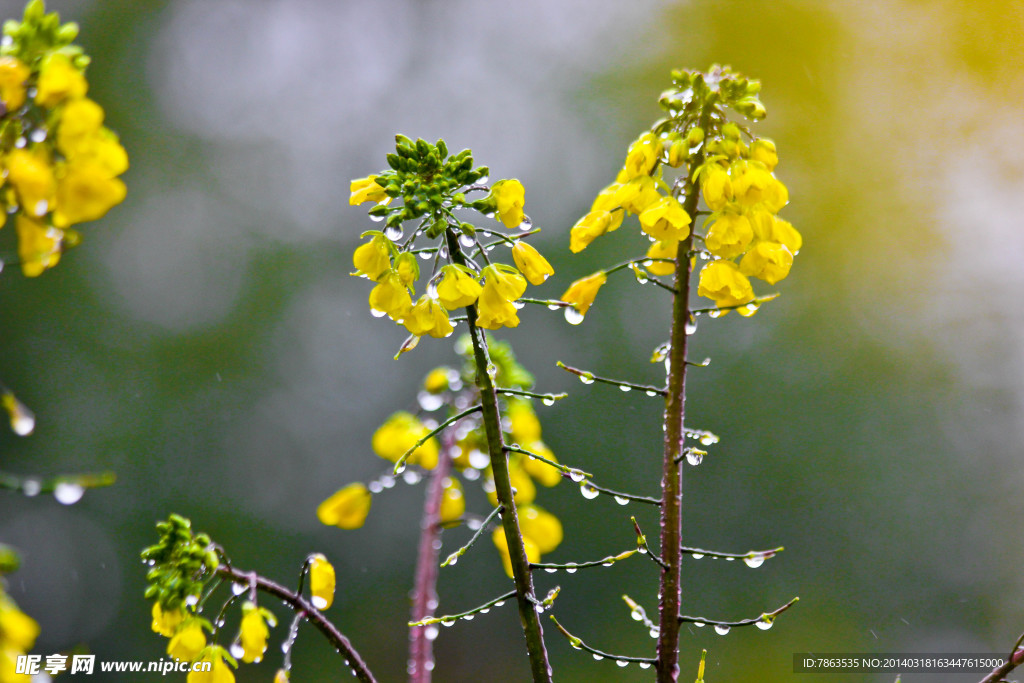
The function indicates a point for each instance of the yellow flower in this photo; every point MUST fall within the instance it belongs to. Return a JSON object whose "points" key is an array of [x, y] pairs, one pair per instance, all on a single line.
{"points": [[458, 287], [638, 194], [38, 245], [79, 119], [366, 190], [763, 150], [101, 148], [776, 196], [510, 198], [390, 296], [31, 175], [398, 434], [784, 233], [453, 502], [545, 474], [253, 632], [494, 311], [662, 249], [589, 228], [373, 258], [13, 75], [59, 80], [165, 623], [642, 156], [17, 630], [188, 642], [524, 425], [428, 317], [541, 527], [219, 673], [501, 543], [532, 264], [505, 280], [769, 261], [582, 292], [717, 189], [729, 236], [665, 219], [437, 380], [752, 184], [347, 508], [322, 581], [407, 268], [723, 282], [281, 676], [85, 192]]}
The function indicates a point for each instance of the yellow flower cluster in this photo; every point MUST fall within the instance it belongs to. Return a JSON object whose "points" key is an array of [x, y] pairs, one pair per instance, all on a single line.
{"points": [[542, 533], [18, 633], [220, 671], [744, 196], [56, 174], [454, 285], [185, 630]]}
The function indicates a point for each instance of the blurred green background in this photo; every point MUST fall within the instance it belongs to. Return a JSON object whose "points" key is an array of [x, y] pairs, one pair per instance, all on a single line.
{"points": [[207, 343]]}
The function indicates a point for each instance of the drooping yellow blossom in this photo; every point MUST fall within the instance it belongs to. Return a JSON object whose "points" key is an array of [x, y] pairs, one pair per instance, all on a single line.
{"points": [[589, 228], [253, 632], [506, 281], [776, 196], [642, 156], [723, 282], [31, 174], [609, 199], [398, 434], [85, 192], [769, 261], [501, 543], [407, 268], [391, 297], [638, 194], [494, 311], [322, 581], [373, 258], [750, 184], [533, 265], [18, 631], [366, 190], [524, 425], [80, 119], [662, 249], [729, 236], [717, 189], [541, 527], [545, 474], [784, 233], [166, 623], [13, 74], [582, 292], [101, 148], [453, 502], [763, 150], [347, 508], [220, 672], [665, 219], [38, 245], [510, 197], [59, 80], [188, 642], [458, 287], [428, 317]]}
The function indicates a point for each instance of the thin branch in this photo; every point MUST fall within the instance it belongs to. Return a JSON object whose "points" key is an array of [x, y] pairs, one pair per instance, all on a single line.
{"points": [[619, 494], [1015, 659], [454, 557], [449, 619], [600, 654], [766, 618], [573, 566], [751, 555], [31, 486], [641, 541], [530, 394], [400, 463], [571, 472], [588, 377]]}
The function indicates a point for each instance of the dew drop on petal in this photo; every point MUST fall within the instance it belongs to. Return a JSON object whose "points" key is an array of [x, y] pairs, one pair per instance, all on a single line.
{"points": [[68, 494]]}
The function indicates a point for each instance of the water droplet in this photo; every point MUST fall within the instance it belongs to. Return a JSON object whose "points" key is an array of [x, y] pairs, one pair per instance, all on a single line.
{"points": [[431, 632], [553, 307], [452, 559], [637, 613], [374, 487], [387, 481], [589, 492], [651, 393], [31, 487], [572, 316], [492, 370], [540, 609], [753, 561], [286, 646], [708, 439], [38, 135], [623, 387], [598, 657], [694, 457], [690, 327], [587, 378], [236, 651], [644, 665], [485, 610], [467, 241], [400, 468], [717, 313], [238, 588], [411, 476], [699, 624], [426, 255], [548, 400], [377, 314], [608, 563], [764, 623], [468, 617], [621, 501], [642, 549], [67, 493], [447, 622], [499, 603], [527, 224], [577, 475], [192, 600], [571, 568], [697, 556], [722, 629], [429, 401], [393, 233], [654, 633], [752, 307], [550, 570], [621, 663]]}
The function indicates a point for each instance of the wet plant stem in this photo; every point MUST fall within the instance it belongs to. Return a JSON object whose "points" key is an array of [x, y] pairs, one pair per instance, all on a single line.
{"points": [[424, 602], [667, 662], [525, 596]]}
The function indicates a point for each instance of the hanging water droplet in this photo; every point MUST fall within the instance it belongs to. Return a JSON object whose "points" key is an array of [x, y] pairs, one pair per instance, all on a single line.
{"points": [[67, 493], [637, 613], [589, 492], [23, 421], [393, 233], [485, 610], [400, 468], [447, 622], [722, 629], [387, 481], [377, 219], [598, 657], [699, 624], [550, 570], [411, 476], [608, 563], [377, 314], [38, 135], [651, 393], [286, 646], [236, 651], [587, 378], [572, 316], [527, 224], [238, 588], [431, 632], [752, 307], [621, 500], [319, 602], [642, 549], [499, 603], [426, 255], [753, 561], [577, 475], [374, 487], [571, 568], [452, 559], [467, 241], [468, 617], [708, 439], [764, 623], [694, 457], [644, 665], [548, 400], [540, 609], [553, 307], [697, 556], [623, 387], [654, 633], [717, 313], [31, 487], [690, 327], [621, 663]]}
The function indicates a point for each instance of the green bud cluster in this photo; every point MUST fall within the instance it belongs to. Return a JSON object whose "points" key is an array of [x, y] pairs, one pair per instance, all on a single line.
{"points": [[508, 372], [181, 562], [39, 33], [425, 177]]}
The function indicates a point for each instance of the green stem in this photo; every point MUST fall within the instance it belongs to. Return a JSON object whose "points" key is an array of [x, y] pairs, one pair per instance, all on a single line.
{"points": [[521, 575], [667, 664]]}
